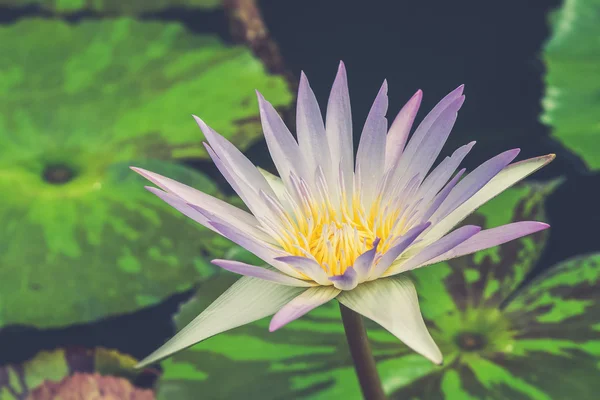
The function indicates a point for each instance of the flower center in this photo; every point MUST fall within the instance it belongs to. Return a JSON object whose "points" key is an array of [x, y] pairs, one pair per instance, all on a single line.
{"points": [[335, 237], [58, 174], [470, 341]]}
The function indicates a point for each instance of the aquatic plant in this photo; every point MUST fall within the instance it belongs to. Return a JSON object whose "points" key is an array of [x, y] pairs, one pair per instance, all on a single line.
{"points": [[572, 80], [81, 370], [117, 7], [79, 103], [332, 229]]}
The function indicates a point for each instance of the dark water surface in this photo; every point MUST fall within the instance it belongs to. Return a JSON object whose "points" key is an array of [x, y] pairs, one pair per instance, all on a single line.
{"points": [[491, 47]]}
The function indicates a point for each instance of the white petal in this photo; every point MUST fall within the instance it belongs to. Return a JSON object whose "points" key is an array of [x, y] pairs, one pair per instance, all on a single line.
{"points": [[284, 149], [505, 179], [339, 128], [234, 159], [304, 303], [433, 250], [490, 238], [310, 129], [400, 129], [242, 219], [261, 273], [393, 304], [248, 300], [370, 157]]}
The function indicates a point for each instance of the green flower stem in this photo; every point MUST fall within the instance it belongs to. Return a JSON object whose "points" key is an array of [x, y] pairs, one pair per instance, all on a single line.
{"points": [[364, 363]]}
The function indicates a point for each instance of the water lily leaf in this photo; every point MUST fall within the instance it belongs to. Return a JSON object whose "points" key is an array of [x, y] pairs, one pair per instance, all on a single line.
{"points": [[572, 59], [124, 89], [113, 6], [76, 222], [310, 358], [18, 382]]}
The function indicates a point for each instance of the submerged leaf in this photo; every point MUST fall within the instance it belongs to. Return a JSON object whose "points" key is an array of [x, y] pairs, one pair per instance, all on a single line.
{"points": [[49, 373], [81, 239], [572, 59], [90, 386], [310, 358]]}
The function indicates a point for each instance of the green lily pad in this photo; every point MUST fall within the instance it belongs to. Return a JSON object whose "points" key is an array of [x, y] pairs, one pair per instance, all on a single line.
{"points": [[17, 382], [81, 239], [113, 6], [310, 358], [571, 104]]}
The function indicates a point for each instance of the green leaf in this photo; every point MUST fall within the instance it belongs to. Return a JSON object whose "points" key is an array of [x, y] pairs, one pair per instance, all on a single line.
{"points": [[117, 7], [79, 104], [123, 89], [572, 59], [18, 381], [309, 357]]}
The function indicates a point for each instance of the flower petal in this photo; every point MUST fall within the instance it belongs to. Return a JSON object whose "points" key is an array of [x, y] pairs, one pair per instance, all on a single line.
{"points": [[346, 281], [505, 179], [284, 149], [392, 254], [438, 247], [310, 129], [490, 238], [304, 303], [248, 300], [242, 219], [364, 262], [400, 129], [393, 304], [474, 181], [260, 273], [307, 267], [234, 160], [339, 128], [371, 149]]}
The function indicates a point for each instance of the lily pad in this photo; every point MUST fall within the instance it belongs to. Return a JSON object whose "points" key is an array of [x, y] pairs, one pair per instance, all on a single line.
{"points": [[571, 104], [81, 239], [113, 6], [49, 368], [310, 358]]}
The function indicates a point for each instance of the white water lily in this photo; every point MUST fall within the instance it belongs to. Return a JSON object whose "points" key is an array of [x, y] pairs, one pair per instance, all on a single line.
{"points": [[338, 227]]}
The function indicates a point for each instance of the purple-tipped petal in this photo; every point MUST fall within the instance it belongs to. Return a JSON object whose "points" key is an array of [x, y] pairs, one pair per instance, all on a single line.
{"points": [[442, 195], [505, 179], [400, 129], [392, 254], [233, 159], [475, 181], [490, 238], [339, 128], [420, 159], [307, 301], [242, 219], [310, 128], [424, 127], [347, 281], [364, 262], [260, 273], [370, 157], [307, 267], [180, 205], [438, 247], [439, 177], [284, 149]]}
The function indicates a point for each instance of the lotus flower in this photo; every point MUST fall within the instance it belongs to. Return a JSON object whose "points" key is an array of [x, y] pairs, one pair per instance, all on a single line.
{"points": [[335, 226]]}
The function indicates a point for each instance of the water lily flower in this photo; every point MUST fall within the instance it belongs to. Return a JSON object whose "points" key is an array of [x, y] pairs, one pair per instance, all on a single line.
{"points": [[335, 226]]}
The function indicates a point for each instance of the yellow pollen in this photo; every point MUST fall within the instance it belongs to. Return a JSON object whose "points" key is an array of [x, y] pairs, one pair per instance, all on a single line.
{"points": [[336, 237]]}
